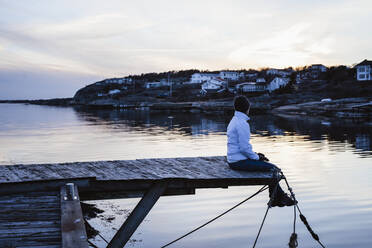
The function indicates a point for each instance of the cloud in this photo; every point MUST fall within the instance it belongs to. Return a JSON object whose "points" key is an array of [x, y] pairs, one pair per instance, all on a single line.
{"points": [[293, 46], [130, 37], [92, 27]]}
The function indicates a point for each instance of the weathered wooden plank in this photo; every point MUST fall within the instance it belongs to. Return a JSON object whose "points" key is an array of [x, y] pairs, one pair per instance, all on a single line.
{"points": [[26, 199], [49, 238], [30, 217], [38, 246], [22, 211], [33, 205], [130, 176], [21, 232], [30, 220], [29, 224], [72, 222], [137, 215], [30, 194], [18, 242], [146, 169]]}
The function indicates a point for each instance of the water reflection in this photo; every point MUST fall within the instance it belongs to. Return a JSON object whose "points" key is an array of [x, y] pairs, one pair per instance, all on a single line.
{"points": [[318, 156], [155, 122], [356, 133]]}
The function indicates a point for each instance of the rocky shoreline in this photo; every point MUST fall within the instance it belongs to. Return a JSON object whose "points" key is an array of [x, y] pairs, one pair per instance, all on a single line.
{"points": [[342, 108], [213, 106]]}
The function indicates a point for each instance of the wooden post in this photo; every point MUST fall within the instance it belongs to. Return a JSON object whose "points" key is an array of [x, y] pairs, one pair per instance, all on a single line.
{"points": [[72, 221], [137, 215]]}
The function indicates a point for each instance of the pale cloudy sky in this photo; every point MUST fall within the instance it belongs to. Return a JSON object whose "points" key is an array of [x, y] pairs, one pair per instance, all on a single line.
{"points": [[51, 48]]}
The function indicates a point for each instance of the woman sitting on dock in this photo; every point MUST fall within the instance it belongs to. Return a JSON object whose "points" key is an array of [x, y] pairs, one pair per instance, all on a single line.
{"points": [[240, 155]]}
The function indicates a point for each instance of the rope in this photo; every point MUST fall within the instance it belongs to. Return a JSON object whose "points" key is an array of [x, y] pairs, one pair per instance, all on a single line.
{"points": [[293, 239], [294, 217], [262, 223], [302, 217], [215, 218], [272, 196], [313, 234]]}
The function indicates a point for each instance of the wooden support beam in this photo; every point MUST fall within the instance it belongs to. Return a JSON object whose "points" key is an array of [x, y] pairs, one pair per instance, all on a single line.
{"points": [[109, 195], [138, 215], [72, 221], [42, 185]]}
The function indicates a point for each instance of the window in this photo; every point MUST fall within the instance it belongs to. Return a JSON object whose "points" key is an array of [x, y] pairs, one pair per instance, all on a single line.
{"points": [[362, 76], [361, 69]]}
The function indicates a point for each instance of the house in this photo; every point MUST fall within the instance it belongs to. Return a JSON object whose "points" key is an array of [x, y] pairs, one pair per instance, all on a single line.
{"points": [[216, 85], [364, 70], [113, 92], [285, 72], [280, 72], [315, 71], [230, 75], [272, 72], [124, 81], [251, 87], [318, 67], [198, 78], [251, 75], [277, 83], [151, 85]]}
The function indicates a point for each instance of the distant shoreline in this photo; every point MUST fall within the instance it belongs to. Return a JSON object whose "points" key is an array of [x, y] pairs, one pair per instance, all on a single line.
{"points": [[52, 101], [360, 107]]}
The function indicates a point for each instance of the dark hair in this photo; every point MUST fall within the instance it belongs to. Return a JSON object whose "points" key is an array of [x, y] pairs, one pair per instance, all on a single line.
{"points": [[241, 104]]}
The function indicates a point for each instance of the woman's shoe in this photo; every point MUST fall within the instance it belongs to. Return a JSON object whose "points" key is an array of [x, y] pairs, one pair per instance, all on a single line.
{"points": [[282, 201]]}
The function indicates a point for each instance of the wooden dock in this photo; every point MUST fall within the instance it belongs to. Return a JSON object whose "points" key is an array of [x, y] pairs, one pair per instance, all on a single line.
{"points": [[30, 219], [42, 186], [41, 219]]}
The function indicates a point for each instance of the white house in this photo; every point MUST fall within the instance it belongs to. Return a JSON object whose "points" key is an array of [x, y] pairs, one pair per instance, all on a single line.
{"points": [[364, 70], [251, 87], [280, 72], [318, 67], [213, 85], [113, 92], [285, 73], [151, 85], [277, 83], [198, 78], [230, 75], [124, 80], [260, 80], [251, 75], [272, 71]]}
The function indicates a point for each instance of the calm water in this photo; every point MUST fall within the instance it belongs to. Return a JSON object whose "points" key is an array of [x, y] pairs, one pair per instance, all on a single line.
{"points": [[328, 163]]}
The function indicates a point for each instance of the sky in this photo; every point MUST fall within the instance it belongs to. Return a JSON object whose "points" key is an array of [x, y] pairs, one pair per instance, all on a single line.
{"points": [[51, 48]]}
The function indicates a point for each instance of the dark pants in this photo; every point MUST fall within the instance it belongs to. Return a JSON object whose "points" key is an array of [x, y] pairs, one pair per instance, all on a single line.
{"points": [[258, 165]]}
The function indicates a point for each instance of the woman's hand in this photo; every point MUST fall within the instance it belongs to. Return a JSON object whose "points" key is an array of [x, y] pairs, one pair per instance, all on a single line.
{"points": [[262, 157]]}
